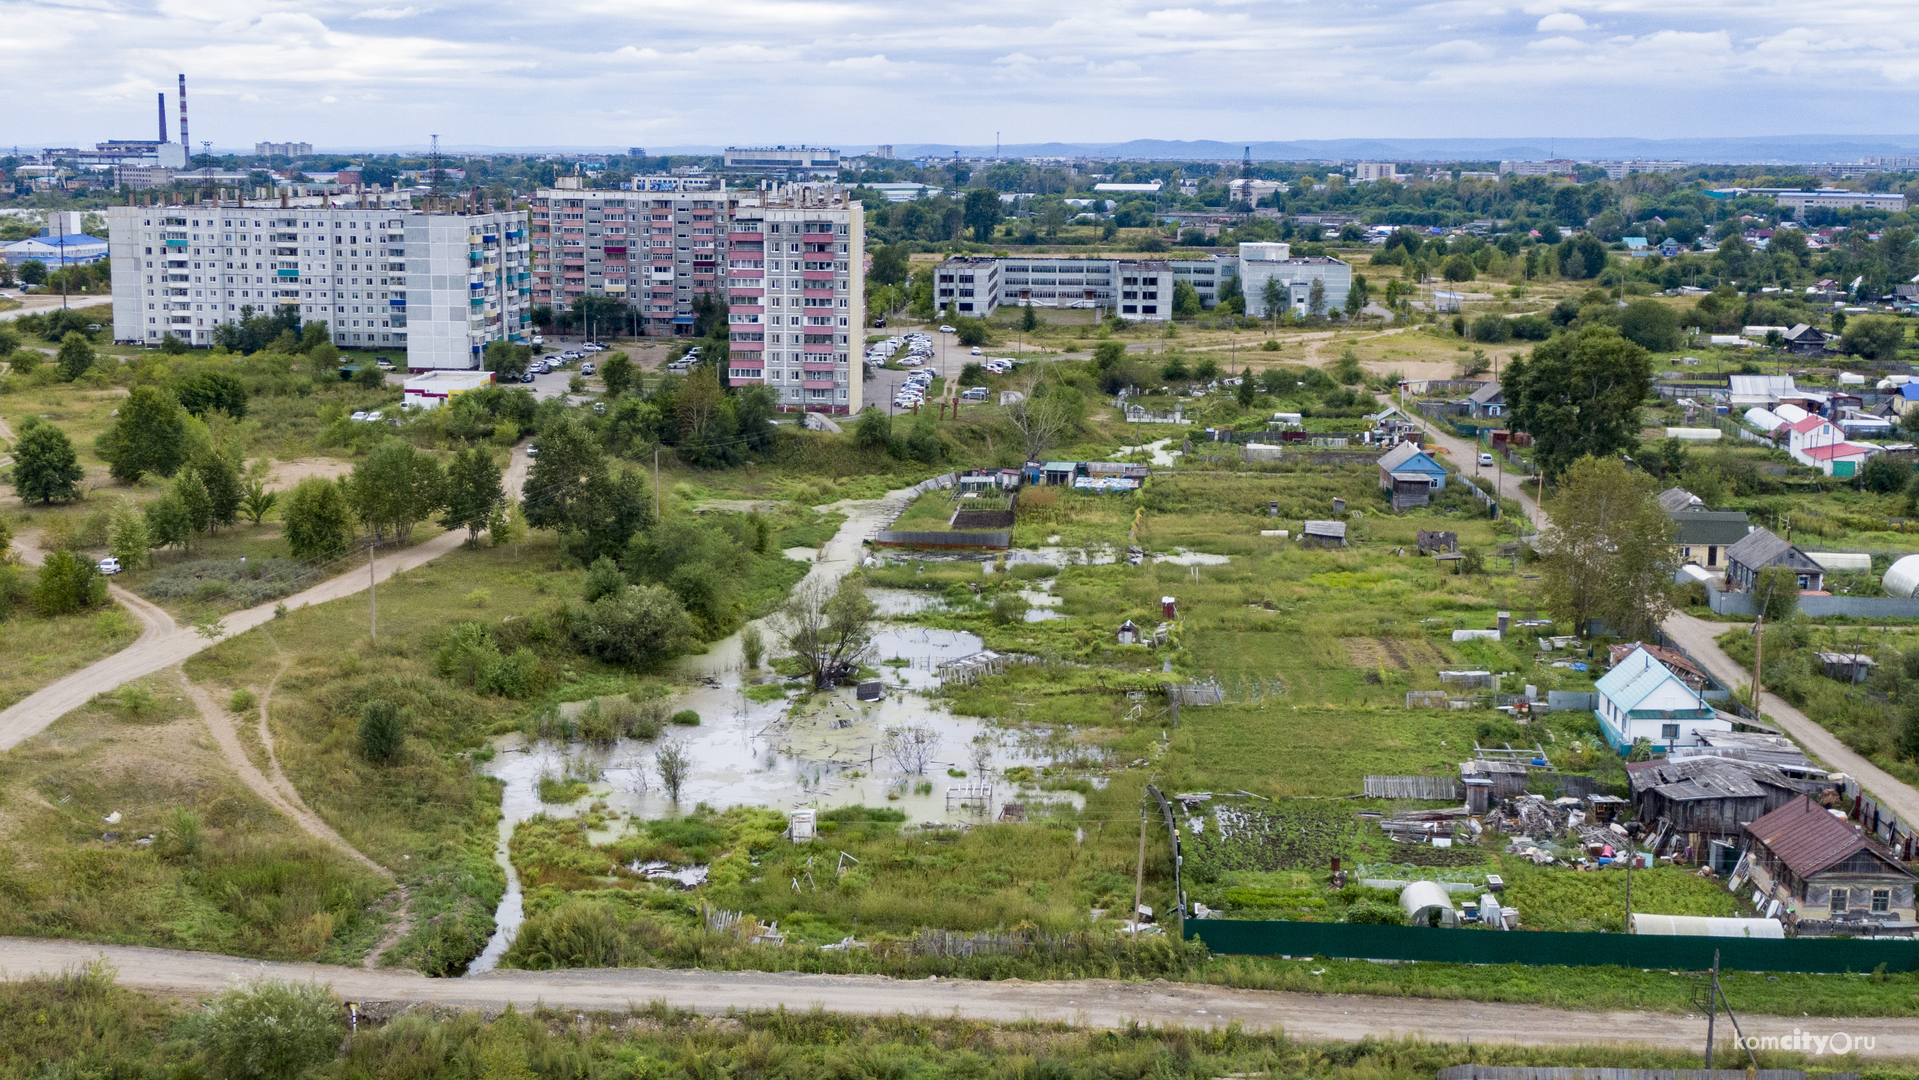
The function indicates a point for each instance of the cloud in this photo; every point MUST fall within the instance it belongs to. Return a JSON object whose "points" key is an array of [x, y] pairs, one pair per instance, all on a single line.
{"points": [[1557, 44], [1560, 23], [386, 13]]}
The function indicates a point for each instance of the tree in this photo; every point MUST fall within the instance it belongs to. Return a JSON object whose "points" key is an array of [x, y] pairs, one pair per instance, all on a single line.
{"points": [[150, 436], [76, 355], [127, 536], [1273, 296], [1875, 337], [33, 272], [1579, 394], [168, 523], [1458, 268], [829, 629], [673, 765], [983, 213], [192, 494], [638, 626], [67, 584], [221, 477], [1316, 300], [1777, 590], [319, 524], [1609, 551], [1650, 325], [616, 372], [393, 488], [1028, 318], [473, 490], [972, 332], [45, 467], [507, 360], [1040, 418], [256, 502], [890, 265], [1582, 257], [874, 431], [1186, 303], [382, 731], [206, 390]]}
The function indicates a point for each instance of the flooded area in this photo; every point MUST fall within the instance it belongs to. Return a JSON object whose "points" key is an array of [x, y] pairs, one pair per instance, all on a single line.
{"points": [[904, 751], [1162, 457]]}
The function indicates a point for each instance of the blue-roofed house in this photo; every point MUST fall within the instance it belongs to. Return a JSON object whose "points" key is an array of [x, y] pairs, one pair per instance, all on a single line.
{"points": [[1636, 246], [1641, 698], [1410, 475], [1670, 248]]}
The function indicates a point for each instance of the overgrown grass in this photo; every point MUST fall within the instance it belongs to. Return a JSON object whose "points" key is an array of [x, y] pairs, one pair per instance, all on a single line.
{"points": [[35, 651], [1867, 716]]}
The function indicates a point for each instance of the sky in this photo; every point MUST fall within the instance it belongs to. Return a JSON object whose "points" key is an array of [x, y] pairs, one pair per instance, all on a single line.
{"points": [[853, 73]]}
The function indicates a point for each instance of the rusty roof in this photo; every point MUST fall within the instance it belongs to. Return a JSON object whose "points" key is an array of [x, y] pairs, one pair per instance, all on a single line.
{"points": [[1809, 839]]}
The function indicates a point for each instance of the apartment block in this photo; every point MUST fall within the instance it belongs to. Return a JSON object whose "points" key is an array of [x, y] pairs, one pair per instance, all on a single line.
{"points": [[1369, 171], [970, 285], [283, 149], [441, 286], [1260, 263], [656, 246], [796, 294]]}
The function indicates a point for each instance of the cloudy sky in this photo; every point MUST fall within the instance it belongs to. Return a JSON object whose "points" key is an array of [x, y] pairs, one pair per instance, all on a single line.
{"points": [[856, 72]]}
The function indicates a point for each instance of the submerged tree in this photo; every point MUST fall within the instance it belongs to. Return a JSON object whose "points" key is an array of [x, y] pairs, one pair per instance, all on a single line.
{"points": [[828, 629]]}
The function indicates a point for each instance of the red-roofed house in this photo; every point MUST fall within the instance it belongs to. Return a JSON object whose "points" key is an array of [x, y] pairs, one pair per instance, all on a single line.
{"points": [[1818, 442], [1815, 866]]}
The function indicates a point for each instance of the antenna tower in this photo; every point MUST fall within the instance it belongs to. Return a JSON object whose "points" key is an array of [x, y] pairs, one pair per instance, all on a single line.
{"points": [[1246, 164]]}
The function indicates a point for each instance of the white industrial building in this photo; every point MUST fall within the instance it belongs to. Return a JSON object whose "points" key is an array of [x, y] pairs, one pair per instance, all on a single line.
{"points": [[1260, 263], [969, 284], [1130, 288], [789, 163], [441, 286]]}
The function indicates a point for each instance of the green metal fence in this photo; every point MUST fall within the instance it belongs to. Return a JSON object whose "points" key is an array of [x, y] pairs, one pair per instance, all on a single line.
{"points": [[1541, 948]]}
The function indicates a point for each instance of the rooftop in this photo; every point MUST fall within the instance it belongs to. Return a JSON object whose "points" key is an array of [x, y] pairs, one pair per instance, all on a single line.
{"points": [[1809, 839]]}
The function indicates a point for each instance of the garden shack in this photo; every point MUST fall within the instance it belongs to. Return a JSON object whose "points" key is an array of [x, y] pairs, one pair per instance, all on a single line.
{"points": [[1323, 534], [1847, 667], [1687, 803]]}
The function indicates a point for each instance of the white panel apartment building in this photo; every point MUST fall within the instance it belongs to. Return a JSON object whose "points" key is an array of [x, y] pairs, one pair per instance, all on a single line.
{"points": [[439, 285], [796, 294], [657, 246]]}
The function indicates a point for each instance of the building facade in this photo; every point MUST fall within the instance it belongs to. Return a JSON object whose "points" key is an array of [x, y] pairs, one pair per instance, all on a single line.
{"points": [[283, 149], [441, 286], [968, 284], [796, 294], [1376, 170], [784, 163], [1098, 283], [1260, 263], [657, 247], [1801, 201]]}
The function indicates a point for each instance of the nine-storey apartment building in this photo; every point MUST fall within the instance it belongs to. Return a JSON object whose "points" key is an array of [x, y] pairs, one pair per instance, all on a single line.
{"points": [[796, 294], [656, 247]]}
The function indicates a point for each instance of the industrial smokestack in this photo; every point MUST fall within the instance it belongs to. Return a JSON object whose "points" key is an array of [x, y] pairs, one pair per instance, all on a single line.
{"points": [[163, 115], [184, 141]]}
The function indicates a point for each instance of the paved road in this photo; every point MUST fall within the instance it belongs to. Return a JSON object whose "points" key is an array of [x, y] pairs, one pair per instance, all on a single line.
{"points": [[164, 645], [1697, 636], [38, 302], [1095, 1003]]}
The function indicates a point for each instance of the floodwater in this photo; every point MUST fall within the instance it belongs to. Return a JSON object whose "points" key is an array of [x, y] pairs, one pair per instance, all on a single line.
{"points": [[1161, 456], [834, 751]]}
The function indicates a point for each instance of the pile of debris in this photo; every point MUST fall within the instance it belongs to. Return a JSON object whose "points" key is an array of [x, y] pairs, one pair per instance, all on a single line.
{"points": [[1436, 827], [1534, 816]]}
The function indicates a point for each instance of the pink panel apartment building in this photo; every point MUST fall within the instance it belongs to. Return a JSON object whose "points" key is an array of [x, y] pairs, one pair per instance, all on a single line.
{"points": [[796, 294], [656, 246]]}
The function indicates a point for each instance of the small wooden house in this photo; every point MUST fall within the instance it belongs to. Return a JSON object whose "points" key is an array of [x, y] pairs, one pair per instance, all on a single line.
{"points": [[1641, 698], [1128, 633], [1819, 867], [1689, 802], [1761, 549]]}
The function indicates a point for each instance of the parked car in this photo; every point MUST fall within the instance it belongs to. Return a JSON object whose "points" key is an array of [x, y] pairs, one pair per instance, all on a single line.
{"points": [[977, 351], [358, 417], [526, 378], [383, 363], [532, 451], [587, 369], [1485, 459], [375, 416], [975, 393], [109, 566]]}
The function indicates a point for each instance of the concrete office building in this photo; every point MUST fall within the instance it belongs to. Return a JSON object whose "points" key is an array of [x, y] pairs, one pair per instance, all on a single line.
{"points": [[1368, 171], [796, 294], [1260, 263], [441, 286], [968, 284], [784, 163], [1083, 283], [1832, 199], [657, 247], [1551, 167]]}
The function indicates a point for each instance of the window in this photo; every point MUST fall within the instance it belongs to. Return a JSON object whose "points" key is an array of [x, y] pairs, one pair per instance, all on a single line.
{"points": [[1881, 901], [1669, 731], [1838, 901]]}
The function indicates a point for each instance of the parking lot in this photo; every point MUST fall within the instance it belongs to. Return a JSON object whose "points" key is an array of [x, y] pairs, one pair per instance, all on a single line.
{"points": [[948, 358]]}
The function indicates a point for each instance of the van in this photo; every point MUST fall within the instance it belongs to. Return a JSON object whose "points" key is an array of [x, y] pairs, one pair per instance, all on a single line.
{"points": [[976, 393]]}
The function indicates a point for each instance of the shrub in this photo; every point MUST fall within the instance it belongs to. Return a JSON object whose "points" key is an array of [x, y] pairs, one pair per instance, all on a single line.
{"points": [[685, 718], [1492, 329], [242, 701], [752, 647], [382, 731], [270, 1030], [478, 598], [68, 584], [1009, 608], [578, 933]]}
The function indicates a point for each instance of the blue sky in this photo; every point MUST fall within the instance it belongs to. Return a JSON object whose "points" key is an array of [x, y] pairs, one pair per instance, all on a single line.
{"points": [[854, 72]]}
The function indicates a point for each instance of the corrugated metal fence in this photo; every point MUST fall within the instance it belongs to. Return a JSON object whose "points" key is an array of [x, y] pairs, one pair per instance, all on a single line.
{"points": [[1550, 949]]}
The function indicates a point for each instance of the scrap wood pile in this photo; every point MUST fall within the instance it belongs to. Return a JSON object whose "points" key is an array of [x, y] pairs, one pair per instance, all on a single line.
{"points": [[1423, 826], [1548, 831]]}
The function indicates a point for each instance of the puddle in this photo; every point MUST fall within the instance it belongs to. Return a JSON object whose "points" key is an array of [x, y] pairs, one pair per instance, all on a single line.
{"points": [[1182, 557], [802, 554], [903, 601]]}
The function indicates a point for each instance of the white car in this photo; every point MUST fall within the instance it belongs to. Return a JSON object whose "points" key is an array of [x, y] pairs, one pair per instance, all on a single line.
{"points": [[1485, 459], [109, 566], [948, 330], [977, 351], [375, 416], [358, 417]]}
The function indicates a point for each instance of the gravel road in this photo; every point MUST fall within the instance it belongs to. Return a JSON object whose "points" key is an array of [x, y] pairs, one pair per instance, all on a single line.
{"points": [[1095, 1003]]}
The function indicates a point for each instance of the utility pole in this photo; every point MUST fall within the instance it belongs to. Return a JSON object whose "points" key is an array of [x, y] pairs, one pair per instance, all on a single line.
{"points": [[1759, 648], [1139, 872], [372, 597], [656, 483]]}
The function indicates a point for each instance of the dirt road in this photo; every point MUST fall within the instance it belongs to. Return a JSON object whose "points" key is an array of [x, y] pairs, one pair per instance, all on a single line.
{"points": [[160, 648], [1094, 1003], [1697, 636], [1465, 458], [40, 302]]}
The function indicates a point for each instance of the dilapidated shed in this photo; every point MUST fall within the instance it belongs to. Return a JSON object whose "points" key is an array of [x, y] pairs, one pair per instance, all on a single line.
{"points": [[1323, 534]]}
